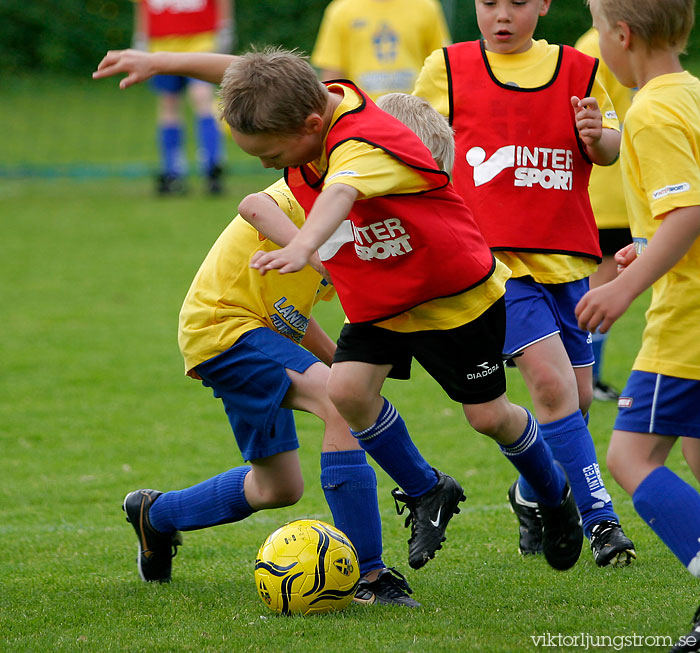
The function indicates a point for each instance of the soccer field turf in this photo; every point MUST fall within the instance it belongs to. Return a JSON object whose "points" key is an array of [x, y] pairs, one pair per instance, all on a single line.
{"points": [[94, 404]]}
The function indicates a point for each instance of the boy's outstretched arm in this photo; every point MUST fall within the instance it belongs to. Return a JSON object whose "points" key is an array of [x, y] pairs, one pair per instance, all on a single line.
{"points": [[601, 307], [602, 144], [332, 206], [139, 66]]}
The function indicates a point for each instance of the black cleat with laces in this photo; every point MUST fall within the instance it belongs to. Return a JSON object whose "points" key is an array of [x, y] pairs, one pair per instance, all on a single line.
{"points": [[562, 532], [610, 545], [691, 641], [428, 516], [529, 523], [156, 549], [389, 588]]}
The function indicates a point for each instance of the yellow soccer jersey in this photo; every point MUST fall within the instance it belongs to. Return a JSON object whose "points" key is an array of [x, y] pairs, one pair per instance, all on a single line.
{"points": [[661, 172], [605, 187], [529, 69], [379, 44], [227, 298], [372, 172]]}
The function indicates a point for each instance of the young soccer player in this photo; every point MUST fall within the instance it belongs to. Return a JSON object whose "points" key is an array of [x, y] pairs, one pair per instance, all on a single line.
{"points": [[379, 44], [608, 204], [200, 26], [641, 40], [240, 335], [526, 180], [411, 269]]}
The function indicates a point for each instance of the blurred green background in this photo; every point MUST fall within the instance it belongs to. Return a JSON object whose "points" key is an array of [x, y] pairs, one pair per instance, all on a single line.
{"points": [[58, 122], [70, 36]]}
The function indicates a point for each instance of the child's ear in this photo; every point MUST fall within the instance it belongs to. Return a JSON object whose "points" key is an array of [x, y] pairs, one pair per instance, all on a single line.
{"points": [[544, 7], [624, 34], [313, 124]]}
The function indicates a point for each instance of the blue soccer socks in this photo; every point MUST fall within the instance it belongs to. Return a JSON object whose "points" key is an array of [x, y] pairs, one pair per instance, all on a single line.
{"points": [[209, 136], [671, 508], [170, 141], [350, 486], [218, 500], [572, 445], [533, 459], [389, 443]]}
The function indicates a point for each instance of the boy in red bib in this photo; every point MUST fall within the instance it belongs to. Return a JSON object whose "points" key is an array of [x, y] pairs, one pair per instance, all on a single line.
{"points": [[523, 169]]}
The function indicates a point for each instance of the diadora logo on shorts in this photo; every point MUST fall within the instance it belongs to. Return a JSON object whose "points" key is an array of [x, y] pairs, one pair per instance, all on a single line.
{"points": [[540, 166], [670, 190], [484, 370]]}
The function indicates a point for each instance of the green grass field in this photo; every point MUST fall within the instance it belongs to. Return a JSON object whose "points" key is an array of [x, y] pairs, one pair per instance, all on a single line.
{"points": [[94, 403]]}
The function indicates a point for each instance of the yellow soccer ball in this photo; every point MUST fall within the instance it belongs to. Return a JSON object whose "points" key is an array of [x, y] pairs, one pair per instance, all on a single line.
{"points": [[306, 567]]}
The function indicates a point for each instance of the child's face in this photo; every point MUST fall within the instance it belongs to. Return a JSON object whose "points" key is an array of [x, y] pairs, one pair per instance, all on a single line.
{"points": [[612, 41], [508, 25], [281, 150]]}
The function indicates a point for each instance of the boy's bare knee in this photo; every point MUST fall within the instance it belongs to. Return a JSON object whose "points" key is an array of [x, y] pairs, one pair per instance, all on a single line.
{"points": [[615, 463], [484, 420], [281, 496]]}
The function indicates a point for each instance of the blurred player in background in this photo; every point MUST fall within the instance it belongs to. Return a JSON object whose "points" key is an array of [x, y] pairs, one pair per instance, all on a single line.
{"points": [[378, 44], [185, 26], [608, 203]]}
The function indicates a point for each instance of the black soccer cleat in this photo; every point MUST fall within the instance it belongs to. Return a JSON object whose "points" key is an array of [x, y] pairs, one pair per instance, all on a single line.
{"points": [[691, 641], [389, 588], [214, 184], [529, 524], [169, 184], [156, 549], [428, 516], [610, 545], [562, 532]]}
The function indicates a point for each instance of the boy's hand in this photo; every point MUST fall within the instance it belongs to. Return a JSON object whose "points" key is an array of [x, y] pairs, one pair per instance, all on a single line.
{"points": [[136, 64], [601, 307], [589, 120], [291, 258], [625, 256]]}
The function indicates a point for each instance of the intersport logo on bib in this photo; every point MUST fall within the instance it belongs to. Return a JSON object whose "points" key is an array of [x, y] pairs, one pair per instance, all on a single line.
{"points": [[550, 168]]}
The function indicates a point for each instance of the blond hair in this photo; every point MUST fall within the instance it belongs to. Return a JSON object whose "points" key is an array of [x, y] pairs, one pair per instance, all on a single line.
{"points": [[658, 23], [270, 91], [429, 125]]}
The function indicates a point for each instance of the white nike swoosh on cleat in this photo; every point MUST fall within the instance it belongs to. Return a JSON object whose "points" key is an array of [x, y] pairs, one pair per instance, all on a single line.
{"points": [[436, 521]]}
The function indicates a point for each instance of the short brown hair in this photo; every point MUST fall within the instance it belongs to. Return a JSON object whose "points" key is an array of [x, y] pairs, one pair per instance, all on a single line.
{"points": [[430, 126], [658, 23], [270, 91]]}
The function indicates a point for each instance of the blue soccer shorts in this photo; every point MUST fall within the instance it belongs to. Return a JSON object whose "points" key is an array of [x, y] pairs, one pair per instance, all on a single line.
{"points": [[175, 84], [251, 380], [664, 405], [535, 311]]}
